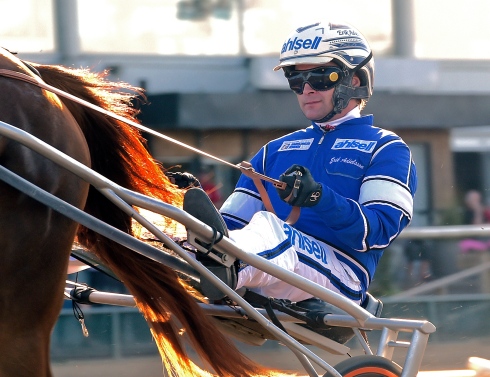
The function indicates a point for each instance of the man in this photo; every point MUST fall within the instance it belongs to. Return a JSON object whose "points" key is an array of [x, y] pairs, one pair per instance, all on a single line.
{"points": [[353, 182]]}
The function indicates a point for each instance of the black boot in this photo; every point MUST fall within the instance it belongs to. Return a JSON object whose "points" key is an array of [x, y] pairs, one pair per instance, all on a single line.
{"points": [[316, 310], [198, 204]]}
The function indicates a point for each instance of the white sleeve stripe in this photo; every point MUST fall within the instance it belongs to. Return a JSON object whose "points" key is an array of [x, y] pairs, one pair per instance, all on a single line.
{"points": [[242, 204], [384, 146], [234, 218], [364, 246], [249, 192], [389, 204], [377, 246], [409, 168], [382, 190], [264, 156], [387, 178]]}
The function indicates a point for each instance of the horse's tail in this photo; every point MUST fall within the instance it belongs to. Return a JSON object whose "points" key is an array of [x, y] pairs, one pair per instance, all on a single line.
{"points": [[118, 152]]}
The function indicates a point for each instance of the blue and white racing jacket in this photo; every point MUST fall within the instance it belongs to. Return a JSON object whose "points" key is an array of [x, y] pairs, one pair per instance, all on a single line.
{"points": [[368, 179]]}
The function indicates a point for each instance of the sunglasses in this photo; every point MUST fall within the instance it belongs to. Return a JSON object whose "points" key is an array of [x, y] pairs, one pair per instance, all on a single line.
{"points": [[323, 78]]}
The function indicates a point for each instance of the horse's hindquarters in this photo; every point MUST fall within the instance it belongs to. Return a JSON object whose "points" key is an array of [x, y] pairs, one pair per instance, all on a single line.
{"points": [[35, 241]]}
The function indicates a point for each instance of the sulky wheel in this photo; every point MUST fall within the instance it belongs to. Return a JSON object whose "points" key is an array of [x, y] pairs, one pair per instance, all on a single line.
{"points": [[367, 366]]}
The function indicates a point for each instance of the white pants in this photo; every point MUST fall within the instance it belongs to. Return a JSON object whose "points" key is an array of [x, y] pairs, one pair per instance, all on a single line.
{"points": [[268, 236]]}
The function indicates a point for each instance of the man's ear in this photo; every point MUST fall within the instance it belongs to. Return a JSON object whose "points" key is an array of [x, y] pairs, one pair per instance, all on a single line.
{"points": [[356, 81]]}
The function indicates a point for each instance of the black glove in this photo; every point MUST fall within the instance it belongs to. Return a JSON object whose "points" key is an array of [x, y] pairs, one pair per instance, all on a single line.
{"points": [[183, 180], [301, 189]]}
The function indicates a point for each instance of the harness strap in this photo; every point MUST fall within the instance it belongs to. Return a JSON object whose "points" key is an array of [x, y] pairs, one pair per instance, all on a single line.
{"points": [[248, 170], [293, 215], [268, 303]]}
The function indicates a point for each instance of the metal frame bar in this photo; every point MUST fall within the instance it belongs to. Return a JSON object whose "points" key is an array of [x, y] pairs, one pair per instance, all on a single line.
{"points": [[355, 317]]}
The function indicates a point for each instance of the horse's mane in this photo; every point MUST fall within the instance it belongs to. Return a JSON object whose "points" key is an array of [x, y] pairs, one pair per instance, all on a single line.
{"points": [[144, 174], [118, 151]]}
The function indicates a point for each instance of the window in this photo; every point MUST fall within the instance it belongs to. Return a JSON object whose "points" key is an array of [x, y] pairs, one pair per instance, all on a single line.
{"points": [[239, 27], [216, 27], [162, 27], [462, 33]]}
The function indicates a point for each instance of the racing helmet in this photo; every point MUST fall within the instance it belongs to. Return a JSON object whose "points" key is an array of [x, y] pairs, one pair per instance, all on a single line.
{"points": [[324, 42]]}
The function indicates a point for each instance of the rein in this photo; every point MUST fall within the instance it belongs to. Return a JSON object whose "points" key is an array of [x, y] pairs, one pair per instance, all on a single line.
{"points": [[244, 166]]}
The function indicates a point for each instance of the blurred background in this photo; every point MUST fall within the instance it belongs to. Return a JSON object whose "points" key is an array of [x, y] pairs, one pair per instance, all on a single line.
{"points": [[206, 66]]}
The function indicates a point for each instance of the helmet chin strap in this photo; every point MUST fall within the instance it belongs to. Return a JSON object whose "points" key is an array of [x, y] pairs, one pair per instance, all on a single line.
{"points": [[340, 99], [327, 117], [344, 91]]}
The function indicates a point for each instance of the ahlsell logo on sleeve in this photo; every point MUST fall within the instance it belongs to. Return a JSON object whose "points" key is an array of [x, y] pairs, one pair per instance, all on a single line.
{"points": [[296, 145], [365, 146]]}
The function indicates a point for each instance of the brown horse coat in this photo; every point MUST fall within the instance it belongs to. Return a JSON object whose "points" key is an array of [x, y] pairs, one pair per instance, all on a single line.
{"points": [[35, 241]]}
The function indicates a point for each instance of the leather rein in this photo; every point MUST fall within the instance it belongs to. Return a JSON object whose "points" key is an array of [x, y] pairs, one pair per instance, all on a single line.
{"points": [[244, 166]]}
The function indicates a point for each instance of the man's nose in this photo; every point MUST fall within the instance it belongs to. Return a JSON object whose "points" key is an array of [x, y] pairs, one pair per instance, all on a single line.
{"points": [[308, 88]]}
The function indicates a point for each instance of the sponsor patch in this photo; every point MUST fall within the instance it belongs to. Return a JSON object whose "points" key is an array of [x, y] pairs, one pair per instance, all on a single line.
{"points": [[366, 146], [296, 145], [298, 44]]}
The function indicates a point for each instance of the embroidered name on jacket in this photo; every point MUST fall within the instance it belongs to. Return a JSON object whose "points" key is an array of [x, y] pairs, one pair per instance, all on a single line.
{"points": [[296, 145], [334, 160], [365, 146]]}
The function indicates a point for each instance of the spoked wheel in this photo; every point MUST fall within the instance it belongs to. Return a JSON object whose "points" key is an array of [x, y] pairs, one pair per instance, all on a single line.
{"points": [[367, 366]]}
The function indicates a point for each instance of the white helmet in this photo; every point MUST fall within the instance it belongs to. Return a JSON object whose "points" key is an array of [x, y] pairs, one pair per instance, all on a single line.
{"points": [[342, 44]]}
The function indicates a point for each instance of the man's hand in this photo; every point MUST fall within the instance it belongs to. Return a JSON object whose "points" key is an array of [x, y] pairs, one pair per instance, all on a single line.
{"points": [[183, 180], [301, 189]]}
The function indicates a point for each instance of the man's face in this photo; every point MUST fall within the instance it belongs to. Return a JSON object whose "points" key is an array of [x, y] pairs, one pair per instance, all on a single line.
{"points": [[315, 104]]}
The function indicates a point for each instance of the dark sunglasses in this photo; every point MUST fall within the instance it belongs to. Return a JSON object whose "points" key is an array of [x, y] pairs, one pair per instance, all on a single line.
{"points": [[322, 78]]}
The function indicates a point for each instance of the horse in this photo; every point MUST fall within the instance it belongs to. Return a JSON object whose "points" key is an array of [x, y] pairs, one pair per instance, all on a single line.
{"points": [[36, 241]]}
